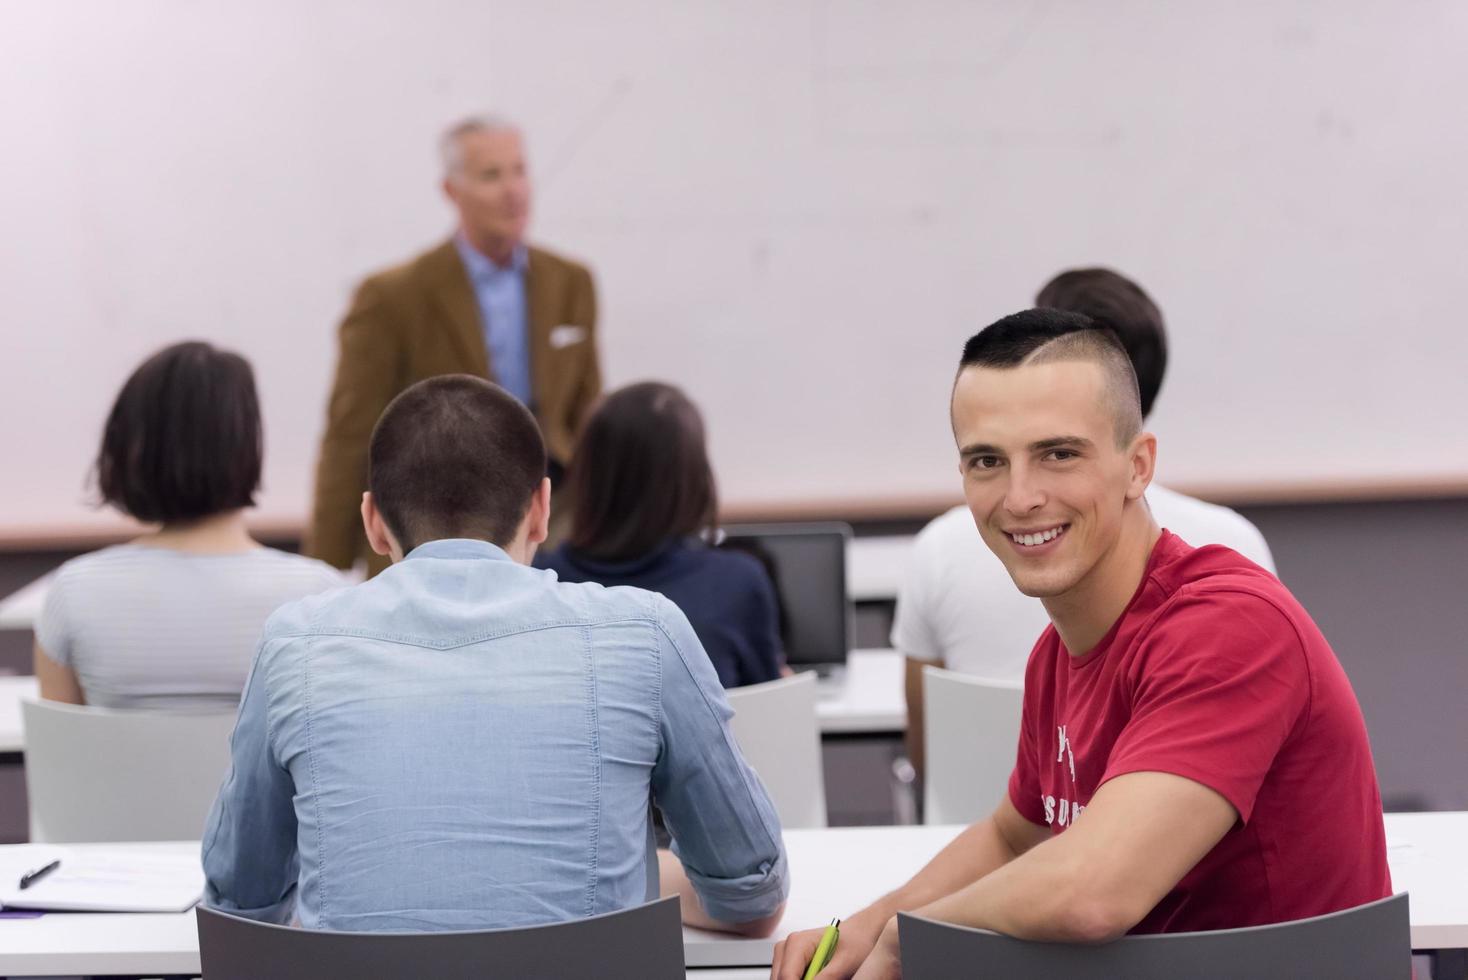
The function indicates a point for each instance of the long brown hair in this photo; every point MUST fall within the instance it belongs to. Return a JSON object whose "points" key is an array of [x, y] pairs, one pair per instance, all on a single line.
{"points": [[640, 474]]}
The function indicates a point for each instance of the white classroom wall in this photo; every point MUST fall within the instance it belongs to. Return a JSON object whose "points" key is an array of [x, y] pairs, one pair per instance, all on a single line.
{"points": [[796, 210]]}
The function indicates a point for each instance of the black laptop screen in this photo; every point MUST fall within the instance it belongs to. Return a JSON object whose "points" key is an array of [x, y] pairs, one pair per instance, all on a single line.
{"points": [[807, 563]]}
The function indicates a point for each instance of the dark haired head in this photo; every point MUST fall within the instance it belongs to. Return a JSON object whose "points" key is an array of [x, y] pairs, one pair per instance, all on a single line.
{"points": [[1044, 335], [1116, 302], [183, 439], [454, 457], [1009, 341], [640, 475]]}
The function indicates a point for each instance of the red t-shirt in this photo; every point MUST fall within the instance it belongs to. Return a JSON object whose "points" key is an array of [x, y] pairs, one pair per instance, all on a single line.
{"points": [[1214, 672]]}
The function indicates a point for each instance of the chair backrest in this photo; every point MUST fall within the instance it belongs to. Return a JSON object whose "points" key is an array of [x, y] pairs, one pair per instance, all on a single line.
{"points": [[642, 943], [1369, 942], [970, 731], [93, 774], [777, 730]]}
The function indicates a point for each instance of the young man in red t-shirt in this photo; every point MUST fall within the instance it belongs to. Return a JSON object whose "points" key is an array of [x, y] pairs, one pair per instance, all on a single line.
{"points": [[1191, 754]]}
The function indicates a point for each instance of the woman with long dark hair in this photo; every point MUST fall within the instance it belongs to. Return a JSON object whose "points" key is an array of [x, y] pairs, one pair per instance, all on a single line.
{"points": [[643, 504]]}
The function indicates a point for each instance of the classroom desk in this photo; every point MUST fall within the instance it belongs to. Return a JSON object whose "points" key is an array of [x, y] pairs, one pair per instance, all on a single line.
{"points": [[866, 699], [20, 609], [1427, 853], [875, 566], [833, 872], [874, 570], [12, 737]]}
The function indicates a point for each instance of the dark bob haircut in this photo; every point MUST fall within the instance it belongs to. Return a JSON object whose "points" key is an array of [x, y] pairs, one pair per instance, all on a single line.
{"points": [[455, 457], [640, 475], [183, 440], [1114, 301]]}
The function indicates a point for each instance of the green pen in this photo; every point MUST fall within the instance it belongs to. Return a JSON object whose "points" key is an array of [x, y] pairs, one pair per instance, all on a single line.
{"points": [[824, 950]]}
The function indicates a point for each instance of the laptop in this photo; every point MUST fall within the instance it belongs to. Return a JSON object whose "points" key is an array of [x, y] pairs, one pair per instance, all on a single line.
{"points": [[807, 564]]}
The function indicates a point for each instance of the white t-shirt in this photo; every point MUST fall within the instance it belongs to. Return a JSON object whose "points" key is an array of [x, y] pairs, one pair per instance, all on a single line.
{"points": [[147, 627], [959, 606]]}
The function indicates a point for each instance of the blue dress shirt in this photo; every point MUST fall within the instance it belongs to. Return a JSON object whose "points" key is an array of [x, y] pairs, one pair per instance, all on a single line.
{"points": [[464, 742], [500, 292]]}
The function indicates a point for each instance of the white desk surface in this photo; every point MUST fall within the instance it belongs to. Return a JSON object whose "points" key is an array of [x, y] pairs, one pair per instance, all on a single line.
{"points": [[876, 565], [874, 570], [12, 690], [22, 608], [90, 943], [1428, 854], [866, 699], [833, 872]]}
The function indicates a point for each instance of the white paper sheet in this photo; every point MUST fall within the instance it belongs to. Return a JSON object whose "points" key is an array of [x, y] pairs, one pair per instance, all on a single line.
{"points": [[121, 879]]}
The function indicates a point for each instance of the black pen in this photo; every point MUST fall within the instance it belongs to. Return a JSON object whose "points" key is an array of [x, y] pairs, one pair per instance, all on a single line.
{"points": [[31, 877]]}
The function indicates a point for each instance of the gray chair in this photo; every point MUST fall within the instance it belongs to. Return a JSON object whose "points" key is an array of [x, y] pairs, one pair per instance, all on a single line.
{"points": [[777, 730], [1370, 942], [970, 729], [642, 943], [94, 774]]}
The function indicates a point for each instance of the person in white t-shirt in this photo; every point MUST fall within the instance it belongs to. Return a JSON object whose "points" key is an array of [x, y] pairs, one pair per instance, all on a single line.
{"points": [[958, 607]]}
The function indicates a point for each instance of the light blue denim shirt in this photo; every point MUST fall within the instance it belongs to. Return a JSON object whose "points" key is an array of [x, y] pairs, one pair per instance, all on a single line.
{"points": [[505, 312], [464, 742]]}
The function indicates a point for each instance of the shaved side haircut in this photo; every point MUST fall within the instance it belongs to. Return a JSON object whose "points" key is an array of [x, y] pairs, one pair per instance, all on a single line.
{"points": [[1044, 336]]}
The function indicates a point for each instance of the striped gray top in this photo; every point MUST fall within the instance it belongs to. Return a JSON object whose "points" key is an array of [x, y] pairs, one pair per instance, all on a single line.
{"points": [[147, 627]]}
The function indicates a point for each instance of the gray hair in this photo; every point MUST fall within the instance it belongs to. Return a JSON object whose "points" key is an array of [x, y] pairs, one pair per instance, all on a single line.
{"points": [[451, 143]]}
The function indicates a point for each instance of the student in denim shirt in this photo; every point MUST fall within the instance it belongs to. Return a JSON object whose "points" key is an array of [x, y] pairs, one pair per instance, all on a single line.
{"points": [[463, 742]]}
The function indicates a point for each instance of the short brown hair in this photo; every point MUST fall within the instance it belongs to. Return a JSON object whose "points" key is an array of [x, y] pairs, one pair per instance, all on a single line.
{"points": [[640, 475], [455, 457], [183, 440]]}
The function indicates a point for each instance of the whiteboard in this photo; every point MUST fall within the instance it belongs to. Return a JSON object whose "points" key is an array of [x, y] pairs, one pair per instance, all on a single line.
{"points": [[796, 210]]}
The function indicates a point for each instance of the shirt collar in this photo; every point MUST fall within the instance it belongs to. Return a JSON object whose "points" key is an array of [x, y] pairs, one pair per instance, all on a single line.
{"points": [[459, 548], [481, 266]]}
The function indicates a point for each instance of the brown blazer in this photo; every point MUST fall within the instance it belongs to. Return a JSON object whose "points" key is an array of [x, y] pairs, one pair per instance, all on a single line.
{"points": [[422, 319]]}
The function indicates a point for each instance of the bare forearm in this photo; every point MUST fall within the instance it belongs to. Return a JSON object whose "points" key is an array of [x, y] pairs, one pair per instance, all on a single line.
{"points": [[973, 854], [1038, 896], [1140, 835], [979, 851]]}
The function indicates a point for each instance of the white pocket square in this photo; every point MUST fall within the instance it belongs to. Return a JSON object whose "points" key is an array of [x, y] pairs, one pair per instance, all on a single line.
{"points": [[565, 335]]}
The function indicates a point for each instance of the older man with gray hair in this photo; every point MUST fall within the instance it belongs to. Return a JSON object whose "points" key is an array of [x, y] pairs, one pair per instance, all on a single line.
{"points": [[483, 303]]}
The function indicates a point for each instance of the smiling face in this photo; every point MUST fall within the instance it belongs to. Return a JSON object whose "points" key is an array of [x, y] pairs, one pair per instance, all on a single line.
{"points": [[1045, 480], [491, 189]]}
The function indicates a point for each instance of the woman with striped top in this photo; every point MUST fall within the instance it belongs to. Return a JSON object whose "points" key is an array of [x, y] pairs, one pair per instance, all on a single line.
{"points": [[170, 620]]}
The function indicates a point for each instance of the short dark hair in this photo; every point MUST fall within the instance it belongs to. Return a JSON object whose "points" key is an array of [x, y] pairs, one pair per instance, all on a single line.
{"points": [[640, 474], [183, 440], [1112, 299], [1040, 336], [454, 457]]}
